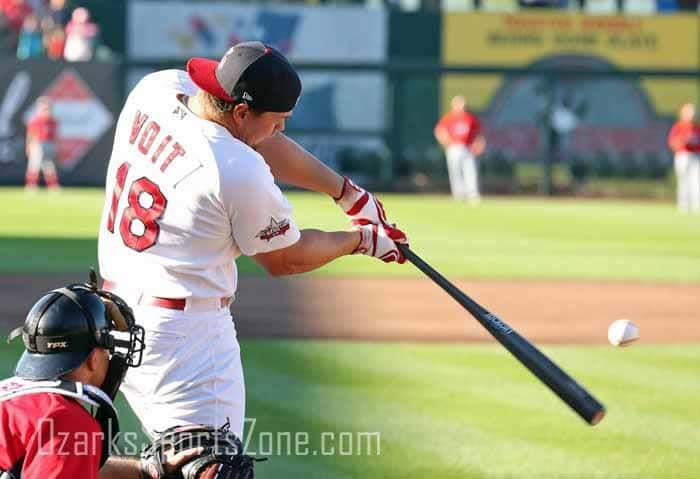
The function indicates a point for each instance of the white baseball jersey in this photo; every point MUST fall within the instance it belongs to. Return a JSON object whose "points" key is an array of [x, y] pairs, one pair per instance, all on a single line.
{"points": [[184, 198]]}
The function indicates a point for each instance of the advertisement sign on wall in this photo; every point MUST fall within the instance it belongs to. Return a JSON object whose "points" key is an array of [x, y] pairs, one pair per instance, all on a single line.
{"points": [[303, 33], [519, 40]]}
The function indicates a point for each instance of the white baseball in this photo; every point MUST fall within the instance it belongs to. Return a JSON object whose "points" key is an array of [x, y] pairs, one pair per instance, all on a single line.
{"points": [[623, 332]]}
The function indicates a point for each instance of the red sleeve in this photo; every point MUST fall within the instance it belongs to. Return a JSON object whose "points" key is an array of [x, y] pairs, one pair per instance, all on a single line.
{"points": [[694, 142], [441, 123], [53, 127], [476, 127], [67, 444], [31, 126], [446, 123], [672, 136]]}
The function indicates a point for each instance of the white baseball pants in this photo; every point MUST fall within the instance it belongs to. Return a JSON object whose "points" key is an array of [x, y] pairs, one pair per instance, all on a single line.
{"points": [[41, 159], [463, 173], [687, 166], [191, 371]]}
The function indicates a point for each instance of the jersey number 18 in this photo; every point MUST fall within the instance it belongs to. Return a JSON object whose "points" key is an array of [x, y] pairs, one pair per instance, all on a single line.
{"points": [[138, 227]]}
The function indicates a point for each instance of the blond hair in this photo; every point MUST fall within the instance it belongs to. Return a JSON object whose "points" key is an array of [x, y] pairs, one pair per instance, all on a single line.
{"points": [[212, 106]]}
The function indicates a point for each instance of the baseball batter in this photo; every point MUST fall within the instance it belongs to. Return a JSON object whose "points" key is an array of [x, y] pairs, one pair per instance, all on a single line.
{"points": [[190, 187]]}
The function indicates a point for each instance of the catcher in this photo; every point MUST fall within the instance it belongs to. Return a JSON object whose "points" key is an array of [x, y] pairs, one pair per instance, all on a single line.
{"points": [[45, 432]]}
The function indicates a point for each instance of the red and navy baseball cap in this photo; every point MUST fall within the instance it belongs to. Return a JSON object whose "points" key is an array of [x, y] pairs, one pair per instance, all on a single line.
{"points": [[251, 72]]}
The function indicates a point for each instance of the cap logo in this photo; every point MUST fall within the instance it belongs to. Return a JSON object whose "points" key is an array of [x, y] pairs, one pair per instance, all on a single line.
{"points": [[246, 96], [57, 345]]}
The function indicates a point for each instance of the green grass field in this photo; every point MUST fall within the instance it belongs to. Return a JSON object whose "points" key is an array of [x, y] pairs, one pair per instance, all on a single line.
{"points": [[446, 411], [502, 238], [465, 412]]}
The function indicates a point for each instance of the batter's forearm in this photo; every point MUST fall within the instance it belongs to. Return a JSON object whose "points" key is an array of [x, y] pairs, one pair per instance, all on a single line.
{"points": [[290, 163], [317, 248]]}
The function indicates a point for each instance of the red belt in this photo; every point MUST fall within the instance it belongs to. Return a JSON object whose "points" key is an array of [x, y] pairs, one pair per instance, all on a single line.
{"points": [[167, 303]]}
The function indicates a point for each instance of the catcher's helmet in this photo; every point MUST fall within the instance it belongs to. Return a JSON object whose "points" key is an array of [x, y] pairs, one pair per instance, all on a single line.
{"points": [[65, 325]]}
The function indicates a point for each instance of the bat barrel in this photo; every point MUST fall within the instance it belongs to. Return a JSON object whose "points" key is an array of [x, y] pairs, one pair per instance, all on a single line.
{"points": [[563, 385]]}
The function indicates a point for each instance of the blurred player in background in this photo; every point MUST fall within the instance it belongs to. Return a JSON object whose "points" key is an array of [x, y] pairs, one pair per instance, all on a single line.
{"points": [[42, 131], [459, 133], [684, 140], [190, 188]]}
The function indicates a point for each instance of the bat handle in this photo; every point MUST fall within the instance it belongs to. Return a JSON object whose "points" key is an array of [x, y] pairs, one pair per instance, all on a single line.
{"points": [[414, 258]]}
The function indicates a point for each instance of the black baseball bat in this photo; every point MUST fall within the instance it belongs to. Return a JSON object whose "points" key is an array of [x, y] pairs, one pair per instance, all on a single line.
{"points": [[563, 385]]}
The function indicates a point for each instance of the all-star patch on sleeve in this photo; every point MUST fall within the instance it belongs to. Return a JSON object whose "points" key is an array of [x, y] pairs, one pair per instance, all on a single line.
{"points": [[274, 229], [261, 216]]}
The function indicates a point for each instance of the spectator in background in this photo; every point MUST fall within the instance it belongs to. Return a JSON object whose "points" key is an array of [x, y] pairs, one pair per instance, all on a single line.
{"points": [[58, 12], [81, 35], [46, 24], [42, 131], [458, 131], [30, 43], [54, 42], [684, 140]]}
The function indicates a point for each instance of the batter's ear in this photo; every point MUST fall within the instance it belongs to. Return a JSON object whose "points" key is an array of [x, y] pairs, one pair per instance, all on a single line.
{"points": [[241, 111]]}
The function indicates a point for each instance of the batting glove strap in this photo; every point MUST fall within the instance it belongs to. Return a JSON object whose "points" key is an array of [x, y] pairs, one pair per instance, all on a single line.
{"points": [[380, 242], [361, 206]]}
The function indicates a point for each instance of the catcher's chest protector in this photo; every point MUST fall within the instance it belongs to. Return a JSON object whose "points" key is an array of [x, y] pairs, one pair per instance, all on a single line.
{"points": [[87, 395]]}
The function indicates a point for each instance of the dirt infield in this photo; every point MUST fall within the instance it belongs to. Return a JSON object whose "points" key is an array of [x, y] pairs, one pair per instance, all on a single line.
{"points": [[417, 310]]}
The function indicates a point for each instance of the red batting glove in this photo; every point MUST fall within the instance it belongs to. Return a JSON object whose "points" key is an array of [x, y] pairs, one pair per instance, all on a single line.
{"points": [[380, 242], [361, 206]]}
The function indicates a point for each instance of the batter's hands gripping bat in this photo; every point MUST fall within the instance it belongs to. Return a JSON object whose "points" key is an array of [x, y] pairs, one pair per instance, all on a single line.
{"points": [[540, 365]]}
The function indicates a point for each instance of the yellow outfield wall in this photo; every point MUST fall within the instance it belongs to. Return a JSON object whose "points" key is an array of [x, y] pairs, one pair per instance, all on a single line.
{"points": [[552, 40]]}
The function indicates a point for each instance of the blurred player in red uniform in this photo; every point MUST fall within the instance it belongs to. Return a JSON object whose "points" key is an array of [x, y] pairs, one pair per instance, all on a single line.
{"points": [[459, 133], [42, 131], [684, 140]]}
